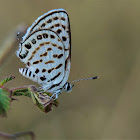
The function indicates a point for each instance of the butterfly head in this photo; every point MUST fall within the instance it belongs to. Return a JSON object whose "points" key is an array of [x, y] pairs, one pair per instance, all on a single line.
{"points": [[68, 87]]}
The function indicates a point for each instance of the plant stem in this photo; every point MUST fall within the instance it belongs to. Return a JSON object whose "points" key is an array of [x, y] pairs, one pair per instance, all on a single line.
{"points": [[18, 134]]}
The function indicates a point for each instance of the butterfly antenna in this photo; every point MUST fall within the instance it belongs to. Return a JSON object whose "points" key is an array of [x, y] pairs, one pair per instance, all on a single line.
{"points": [[96, 77], [18, 37]]}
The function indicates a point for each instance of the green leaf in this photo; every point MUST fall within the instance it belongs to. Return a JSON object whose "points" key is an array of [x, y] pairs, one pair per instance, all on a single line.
{"points": [[6, 80], [4, 102]]}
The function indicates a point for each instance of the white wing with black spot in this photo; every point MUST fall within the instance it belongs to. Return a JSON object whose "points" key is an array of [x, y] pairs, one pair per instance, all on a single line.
{"points": [[46, 50]]}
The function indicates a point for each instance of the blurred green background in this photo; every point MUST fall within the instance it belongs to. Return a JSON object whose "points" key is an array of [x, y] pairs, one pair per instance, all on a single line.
{"points": [[105, 42]]}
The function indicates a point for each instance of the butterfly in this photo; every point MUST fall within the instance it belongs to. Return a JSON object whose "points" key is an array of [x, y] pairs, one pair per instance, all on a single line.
{"points": [[46, 51]]}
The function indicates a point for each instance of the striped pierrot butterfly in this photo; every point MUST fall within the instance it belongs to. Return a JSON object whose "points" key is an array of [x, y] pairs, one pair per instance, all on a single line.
{"points": [[46, 51]]}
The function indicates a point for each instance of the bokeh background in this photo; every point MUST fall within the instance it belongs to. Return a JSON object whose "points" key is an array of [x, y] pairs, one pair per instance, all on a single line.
{"points": [[105, 42]]}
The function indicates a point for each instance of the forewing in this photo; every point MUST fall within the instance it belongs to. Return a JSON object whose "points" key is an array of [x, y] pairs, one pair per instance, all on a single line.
{"points": [[43, 53], [56, 20]]}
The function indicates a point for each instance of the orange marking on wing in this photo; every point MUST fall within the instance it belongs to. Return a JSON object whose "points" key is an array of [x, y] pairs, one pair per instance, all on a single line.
{"points": [[55, 55], [59, 39], [51, 61], [54, 45], [47, 42], [64, 27], [49, 49], [62, 18], [44, 54], [40, 45], [60, 48]]}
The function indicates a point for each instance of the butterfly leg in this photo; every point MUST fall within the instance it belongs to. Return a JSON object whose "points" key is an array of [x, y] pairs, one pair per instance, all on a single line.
{"points": [[56, 94]]}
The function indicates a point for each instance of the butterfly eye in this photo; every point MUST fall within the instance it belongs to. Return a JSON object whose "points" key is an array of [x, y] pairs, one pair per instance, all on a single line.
{"points": [[28, 46], [68, 87]]}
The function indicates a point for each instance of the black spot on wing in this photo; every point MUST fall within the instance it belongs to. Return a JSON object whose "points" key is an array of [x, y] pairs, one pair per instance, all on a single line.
{"points": [[45, 35], [55, 85], [59, 31], [55, 18], [43, 70], [64, 38], [59, 66], [30, 73], [43, 25], [39, 37], [26, 71], [28, 46], [49, 21], [52, 36], [43, 78], [59, 73], [33, 41], [59, 56], [37, 71]]}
